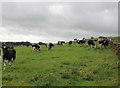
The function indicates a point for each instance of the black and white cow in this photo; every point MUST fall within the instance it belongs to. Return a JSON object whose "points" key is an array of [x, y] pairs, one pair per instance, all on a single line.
{"points": [[91, 43], [50, 45], [103, 43], [81, 42], [61, 43], [9, 55], [35, 47]]}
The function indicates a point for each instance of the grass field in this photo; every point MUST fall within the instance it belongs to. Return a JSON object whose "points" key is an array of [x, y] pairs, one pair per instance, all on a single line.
{"points": [[63, 66]]}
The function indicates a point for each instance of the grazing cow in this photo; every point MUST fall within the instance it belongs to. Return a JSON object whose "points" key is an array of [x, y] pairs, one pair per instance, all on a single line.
{"points": [[35, 47], [80, 42], [50, 46], [61, 43], [104, 43], [70, 43], [9, 55], [91, 43]]}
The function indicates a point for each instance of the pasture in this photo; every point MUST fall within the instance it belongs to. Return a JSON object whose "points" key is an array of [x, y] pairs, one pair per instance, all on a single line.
{"points": [[63, 66]]}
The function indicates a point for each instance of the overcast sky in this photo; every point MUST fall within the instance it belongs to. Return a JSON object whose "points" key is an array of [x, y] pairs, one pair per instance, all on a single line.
{"points": [[50, 21]]}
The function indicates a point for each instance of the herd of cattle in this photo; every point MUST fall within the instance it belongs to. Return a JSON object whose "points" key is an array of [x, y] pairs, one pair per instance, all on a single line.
{"points": [[9, 53]]}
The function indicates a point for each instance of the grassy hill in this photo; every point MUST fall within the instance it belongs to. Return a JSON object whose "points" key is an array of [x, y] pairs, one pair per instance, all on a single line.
{"points": [[63, 66]]}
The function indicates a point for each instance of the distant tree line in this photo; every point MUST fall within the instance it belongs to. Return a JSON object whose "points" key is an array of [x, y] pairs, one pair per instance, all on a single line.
{"points": [[19, 43]]}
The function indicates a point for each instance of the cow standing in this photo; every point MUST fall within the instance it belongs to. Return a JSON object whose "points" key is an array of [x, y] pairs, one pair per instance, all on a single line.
{"points": [[81, 42], [91, 43], [9, 55], [103, 43], [50, 46], [35, 47], [61, 43]]}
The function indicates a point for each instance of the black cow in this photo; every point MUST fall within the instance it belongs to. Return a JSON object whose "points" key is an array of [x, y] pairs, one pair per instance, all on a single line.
{"points": [[104, 43], [9, 55], [61, 43], [91, 43], [70, 43], [35, 47], [50, 46]]}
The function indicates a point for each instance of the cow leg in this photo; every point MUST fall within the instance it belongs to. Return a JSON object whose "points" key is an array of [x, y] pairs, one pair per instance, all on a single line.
{"points": [[5, 64], [50, 48], [78, 45], [100, 45], [89, 46], [82, 44], [12, 63], [33, 49], [9, 64]]}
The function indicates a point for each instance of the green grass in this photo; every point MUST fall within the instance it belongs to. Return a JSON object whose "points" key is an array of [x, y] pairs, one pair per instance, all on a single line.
{"points": [[63, 66], [117, 39]]}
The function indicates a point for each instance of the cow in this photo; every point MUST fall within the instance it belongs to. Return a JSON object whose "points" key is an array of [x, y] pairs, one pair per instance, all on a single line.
{"points": [[81, 42], [70, 43], [35, 47], [103, 43], [61, 43], [50, 45], [91, 43], [9, 55]]}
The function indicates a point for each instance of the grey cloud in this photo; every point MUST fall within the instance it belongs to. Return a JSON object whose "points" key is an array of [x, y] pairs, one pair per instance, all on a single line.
{"points": [[36, 18]]}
